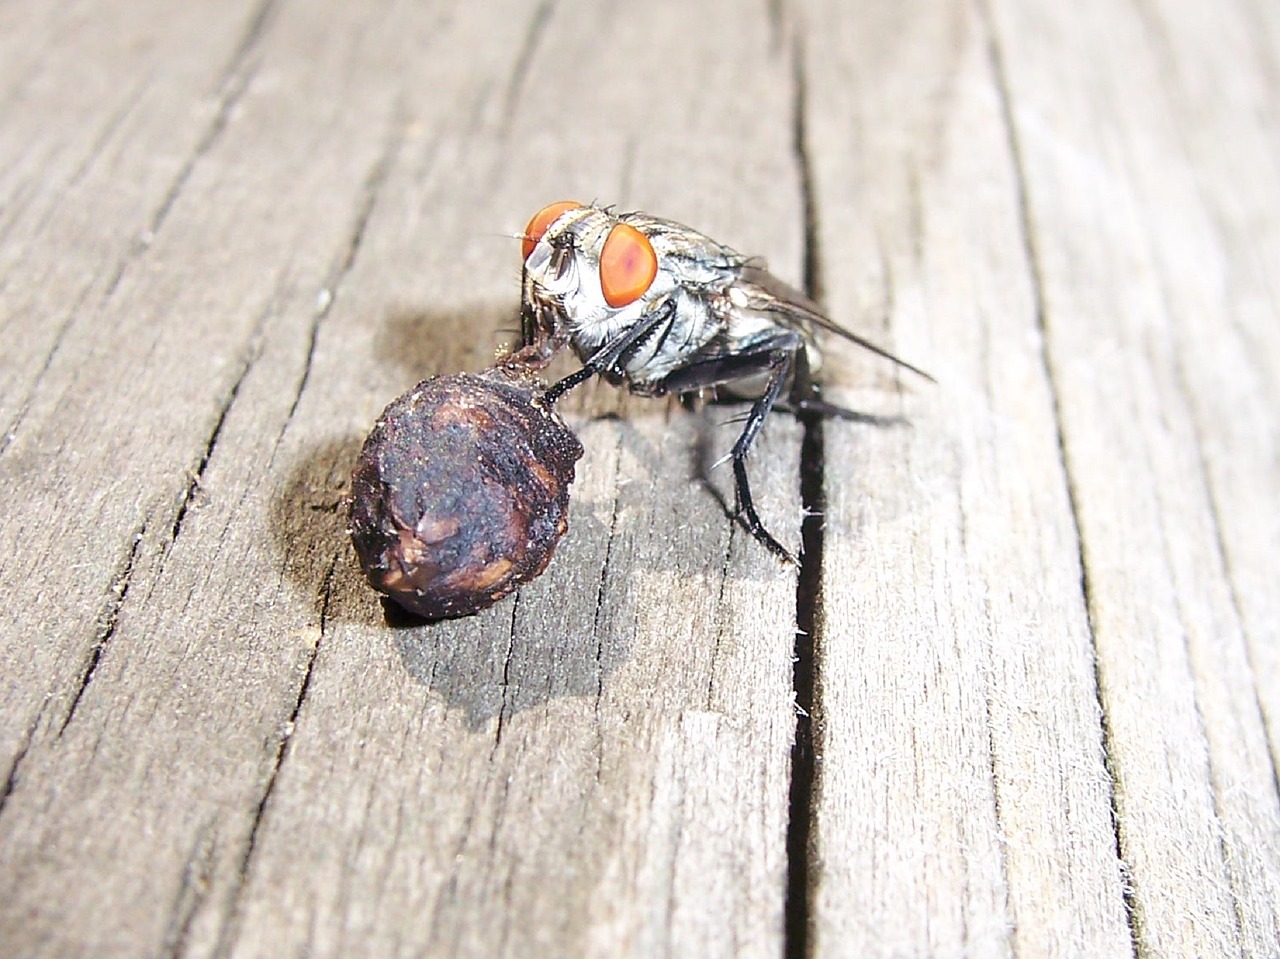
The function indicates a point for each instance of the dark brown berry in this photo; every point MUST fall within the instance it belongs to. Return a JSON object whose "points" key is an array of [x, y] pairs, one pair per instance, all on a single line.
{"points": [[462, 491]]}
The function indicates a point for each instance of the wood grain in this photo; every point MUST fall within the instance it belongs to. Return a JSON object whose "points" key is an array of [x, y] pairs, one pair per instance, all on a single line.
{"points": [[1195, 785], [1038, 676], [618, 736], [963, 802]]}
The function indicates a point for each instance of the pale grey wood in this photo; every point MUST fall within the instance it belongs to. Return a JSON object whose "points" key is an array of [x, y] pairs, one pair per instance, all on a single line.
{"points": [[1144, 354], [102, 111], [259, 764], [230, 235], [962, 798], [1160, 310], [153, 641]]}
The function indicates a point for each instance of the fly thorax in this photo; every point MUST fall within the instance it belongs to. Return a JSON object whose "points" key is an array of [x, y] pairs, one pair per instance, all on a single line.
{"points": [[593, 325], [592, 322]]}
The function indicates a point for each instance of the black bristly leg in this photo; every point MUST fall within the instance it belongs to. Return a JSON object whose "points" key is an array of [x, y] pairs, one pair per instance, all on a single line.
{"points": [[777, 356], [528, 326], [781, 362], [609, 355], [561, 387], [537, 335], [805, 400]]}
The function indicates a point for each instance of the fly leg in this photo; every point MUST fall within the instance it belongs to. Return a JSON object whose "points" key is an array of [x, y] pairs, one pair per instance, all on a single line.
{"points": [[611, 354], [805, 399], [781, 362], [778, 357]]}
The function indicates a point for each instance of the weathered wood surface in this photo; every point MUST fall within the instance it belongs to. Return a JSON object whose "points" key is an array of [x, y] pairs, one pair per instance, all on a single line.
{"points": [[1038, 632]]}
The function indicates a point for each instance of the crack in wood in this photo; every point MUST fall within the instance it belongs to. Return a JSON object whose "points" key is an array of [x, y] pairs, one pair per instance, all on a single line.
{"points": [[222, 116], [997, 800], [501, 805], [1031, 255], [104, 136], [234, 83], [195, 477], [505, 707], [373, 184], [725, 559], [17, 202], [11, 778], [107, 624], [193, 890], [1273, 748], [1231, 869], [595, 621], [1220, 782], [524, 58], [1235, 881], [448, 894], [776, 15], [797, 913], [258, 24], [1185, 393], [11, 431], [989, 731], [230, 926]]}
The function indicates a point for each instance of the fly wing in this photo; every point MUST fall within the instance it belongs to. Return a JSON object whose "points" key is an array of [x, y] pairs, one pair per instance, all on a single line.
{"points": [[763, 291]]}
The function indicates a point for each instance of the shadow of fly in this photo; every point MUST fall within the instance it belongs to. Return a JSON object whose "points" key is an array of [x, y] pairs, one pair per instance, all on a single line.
{"points": [[659, 308]]}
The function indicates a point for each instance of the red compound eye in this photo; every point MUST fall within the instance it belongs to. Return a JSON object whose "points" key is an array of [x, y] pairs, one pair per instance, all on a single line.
{"points": [[627, 265], [542, 220]]}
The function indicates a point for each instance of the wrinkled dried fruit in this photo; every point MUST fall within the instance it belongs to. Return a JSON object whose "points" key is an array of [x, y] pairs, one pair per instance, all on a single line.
{"points": [[462, 491]]}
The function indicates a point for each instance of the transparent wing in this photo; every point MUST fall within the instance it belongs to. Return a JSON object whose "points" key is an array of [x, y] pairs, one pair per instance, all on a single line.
{"points": [[765, 292]]}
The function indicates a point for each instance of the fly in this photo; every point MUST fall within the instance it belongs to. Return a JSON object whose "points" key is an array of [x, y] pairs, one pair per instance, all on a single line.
{"points": [[659, 308]]}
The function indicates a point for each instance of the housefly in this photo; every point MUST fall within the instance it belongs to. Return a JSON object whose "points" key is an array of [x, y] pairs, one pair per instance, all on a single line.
{"points": [[659, 308]]}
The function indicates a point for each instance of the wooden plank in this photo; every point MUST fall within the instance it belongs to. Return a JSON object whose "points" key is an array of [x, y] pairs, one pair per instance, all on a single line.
{"points": [[1195, 784], [258, 763], [1153, 296], [607, 756], [1047, 677], [1228, 305], [103, 110], [152, 677], [90, 155], [962, 802]]}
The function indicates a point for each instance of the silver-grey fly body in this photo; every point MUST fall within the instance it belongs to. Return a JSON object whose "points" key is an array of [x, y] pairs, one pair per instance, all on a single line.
{"points": [[660, 308]]}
